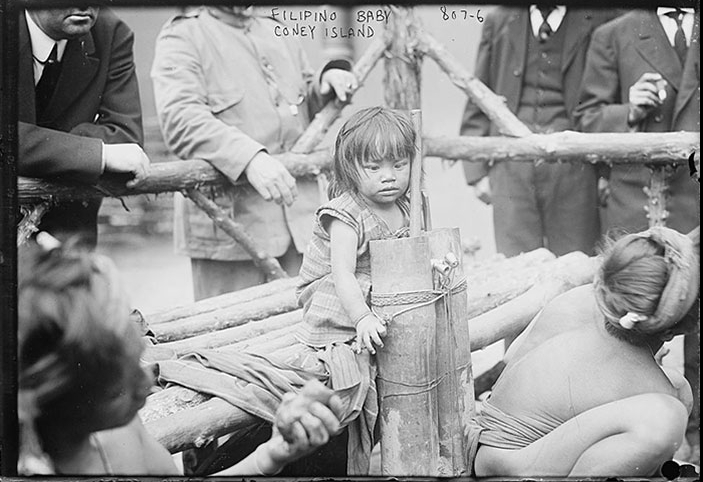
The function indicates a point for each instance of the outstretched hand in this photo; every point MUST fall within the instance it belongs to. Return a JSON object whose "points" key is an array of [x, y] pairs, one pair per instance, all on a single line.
{"points": [[304, 422]]}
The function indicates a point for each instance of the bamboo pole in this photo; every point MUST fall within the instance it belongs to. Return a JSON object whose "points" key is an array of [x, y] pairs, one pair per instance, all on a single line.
{"points": [[491, 104], [455, 394], [407, 370], [416, 176], [265, 262]]}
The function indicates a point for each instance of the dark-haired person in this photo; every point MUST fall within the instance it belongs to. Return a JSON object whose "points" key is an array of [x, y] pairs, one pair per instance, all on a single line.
{"points": [[581, 393], [81, 383], [79, 112], [642, 74]]}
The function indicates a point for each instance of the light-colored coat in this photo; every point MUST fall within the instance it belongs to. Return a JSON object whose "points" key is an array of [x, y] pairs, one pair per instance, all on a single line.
{"points": [[223, 94]]}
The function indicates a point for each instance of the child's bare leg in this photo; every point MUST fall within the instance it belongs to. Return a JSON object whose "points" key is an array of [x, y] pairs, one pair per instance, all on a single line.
{"points": [[628, 437]]}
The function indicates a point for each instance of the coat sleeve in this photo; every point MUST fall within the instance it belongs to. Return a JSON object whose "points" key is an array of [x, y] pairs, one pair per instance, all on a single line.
{"points": [[600, 107], [77, 155], [50, 153], [189, 127], [119, 117], [474, 121]]}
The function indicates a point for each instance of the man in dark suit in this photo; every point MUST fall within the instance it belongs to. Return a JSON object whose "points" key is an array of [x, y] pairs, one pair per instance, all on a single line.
{"points": [[533, 57], [642, 74], [79, 111]]}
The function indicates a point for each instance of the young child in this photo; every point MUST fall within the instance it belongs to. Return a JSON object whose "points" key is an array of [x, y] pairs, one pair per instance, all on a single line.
{"points": [[368, 201], [81, 383], [339, 332]]}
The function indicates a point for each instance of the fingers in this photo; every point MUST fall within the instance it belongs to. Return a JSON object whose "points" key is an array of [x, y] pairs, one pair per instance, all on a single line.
{"points": [[127, 158], [341, 81], [271, 179], [648, 91], [140, 169], [316, 431]]}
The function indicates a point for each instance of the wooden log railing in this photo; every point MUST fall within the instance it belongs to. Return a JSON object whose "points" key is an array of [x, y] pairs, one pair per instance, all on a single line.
{"points": [[669, 148], [181, 418]]}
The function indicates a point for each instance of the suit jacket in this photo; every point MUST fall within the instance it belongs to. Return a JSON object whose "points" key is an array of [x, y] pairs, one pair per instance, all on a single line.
{"points": [[96, 100], [621, 51], [224, 94], [501, 58]]}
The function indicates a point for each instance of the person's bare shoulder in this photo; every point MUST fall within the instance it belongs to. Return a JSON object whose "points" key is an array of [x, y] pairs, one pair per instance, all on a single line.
{"points": [[131, 450]]}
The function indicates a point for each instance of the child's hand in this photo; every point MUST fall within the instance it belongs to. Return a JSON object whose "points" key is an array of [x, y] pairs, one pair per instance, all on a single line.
{"points": [[369, 331]]}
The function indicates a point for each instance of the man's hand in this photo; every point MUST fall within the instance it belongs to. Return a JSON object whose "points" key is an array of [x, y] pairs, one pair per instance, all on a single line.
{"points": [[645, 95], [271, 179], [304, 422], [126, 158], [482, 189], [342, 82]]}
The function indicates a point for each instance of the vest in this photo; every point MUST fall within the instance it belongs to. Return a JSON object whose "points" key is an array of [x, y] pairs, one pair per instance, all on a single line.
{"points": [[541, 105]]}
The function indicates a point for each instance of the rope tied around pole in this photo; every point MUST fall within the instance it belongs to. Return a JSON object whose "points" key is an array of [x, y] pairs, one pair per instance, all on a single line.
{"points": [[446, 287], [416, 298]]}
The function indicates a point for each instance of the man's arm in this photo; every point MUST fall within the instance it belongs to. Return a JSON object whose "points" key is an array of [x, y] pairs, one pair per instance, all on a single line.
{"points": [[120, 116], [189, 127], [49, 153], [600, 108], [79, 154]]}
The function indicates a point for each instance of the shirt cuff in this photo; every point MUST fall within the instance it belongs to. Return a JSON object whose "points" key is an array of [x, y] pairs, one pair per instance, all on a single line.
{"points": [[102, 158]]}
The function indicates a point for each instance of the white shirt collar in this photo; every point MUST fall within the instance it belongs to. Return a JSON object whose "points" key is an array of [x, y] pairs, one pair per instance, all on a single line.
{"points": [[670, 26], [42, 45], [41, 42], [554, 19]]}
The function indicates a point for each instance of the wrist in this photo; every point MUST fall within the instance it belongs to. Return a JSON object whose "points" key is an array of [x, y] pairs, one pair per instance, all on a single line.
{"points": [[356, 320]]}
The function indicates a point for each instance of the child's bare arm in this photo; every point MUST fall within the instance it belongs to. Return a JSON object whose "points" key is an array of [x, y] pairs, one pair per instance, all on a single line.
{"points": [[343, 243]]}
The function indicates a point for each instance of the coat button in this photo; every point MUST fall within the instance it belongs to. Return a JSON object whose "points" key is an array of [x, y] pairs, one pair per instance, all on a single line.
{"points": [[517, 72], [658, 118]]}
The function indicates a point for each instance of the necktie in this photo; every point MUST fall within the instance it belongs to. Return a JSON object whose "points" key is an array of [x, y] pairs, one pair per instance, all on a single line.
{"points": [[545, 31], [679, 37], [47, 83]]}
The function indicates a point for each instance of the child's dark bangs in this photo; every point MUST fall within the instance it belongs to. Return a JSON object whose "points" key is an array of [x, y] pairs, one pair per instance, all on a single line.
{"points": [[387, 141]]}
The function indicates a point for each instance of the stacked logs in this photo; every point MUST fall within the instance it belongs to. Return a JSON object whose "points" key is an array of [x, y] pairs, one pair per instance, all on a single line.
{"points": [[503, 296]]}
